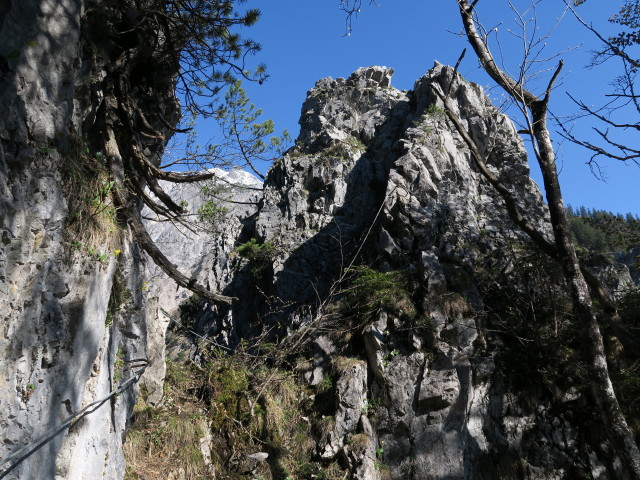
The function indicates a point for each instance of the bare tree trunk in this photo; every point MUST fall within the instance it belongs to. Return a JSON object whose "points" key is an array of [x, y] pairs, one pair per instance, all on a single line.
{"points": [[620, 435], [131, 211], [535, 108]]}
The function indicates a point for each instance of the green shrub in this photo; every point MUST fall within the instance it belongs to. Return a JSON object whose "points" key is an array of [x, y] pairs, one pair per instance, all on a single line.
{"points": [[260, 256], [372, 291], [434, 110], [343, 150], [213, 211]]}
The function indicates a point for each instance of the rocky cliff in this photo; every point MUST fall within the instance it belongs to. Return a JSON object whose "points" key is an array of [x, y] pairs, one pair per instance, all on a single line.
{"points": [[427, 337], [71, 276], [444, 335]]}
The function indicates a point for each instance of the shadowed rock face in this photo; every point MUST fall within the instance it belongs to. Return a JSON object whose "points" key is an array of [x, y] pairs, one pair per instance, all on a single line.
{"points": [[379, 171], [379, 177], [63, 344]]}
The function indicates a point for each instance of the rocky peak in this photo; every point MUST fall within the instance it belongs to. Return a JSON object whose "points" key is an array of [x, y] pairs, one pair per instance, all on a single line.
{"points": [[379, 178], [370, 77], [346, 110]]}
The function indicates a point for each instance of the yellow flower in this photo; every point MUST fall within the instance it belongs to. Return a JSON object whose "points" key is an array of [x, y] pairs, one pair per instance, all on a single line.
{"points": [[117, 251]]}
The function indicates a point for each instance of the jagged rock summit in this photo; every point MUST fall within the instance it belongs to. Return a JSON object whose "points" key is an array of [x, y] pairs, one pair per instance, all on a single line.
{"points": [[424, 363], [378, 177], [377, 166]]}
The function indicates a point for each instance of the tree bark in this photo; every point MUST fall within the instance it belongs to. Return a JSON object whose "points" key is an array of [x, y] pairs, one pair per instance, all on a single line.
{"points": [[134, 220], [619, 433]]}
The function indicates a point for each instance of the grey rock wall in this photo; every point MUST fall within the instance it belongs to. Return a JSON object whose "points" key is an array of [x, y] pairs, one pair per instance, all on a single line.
{"points": [[379, 176], [59, 348]]}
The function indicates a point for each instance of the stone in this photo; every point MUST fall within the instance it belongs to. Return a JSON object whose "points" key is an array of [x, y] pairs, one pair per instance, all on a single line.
{"points": [[351, 390], [376, 176], [440, 385], [252, 461], [371, 77]]}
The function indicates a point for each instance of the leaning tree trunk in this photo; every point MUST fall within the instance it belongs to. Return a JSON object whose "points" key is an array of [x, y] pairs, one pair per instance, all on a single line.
{"points": [[619, 432]]}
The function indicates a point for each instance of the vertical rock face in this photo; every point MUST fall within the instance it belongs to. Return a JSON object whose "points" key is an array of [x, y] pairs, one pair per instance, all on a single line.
{"points": [[70, 299], [203, 255], [378, 176], [379, 173]]}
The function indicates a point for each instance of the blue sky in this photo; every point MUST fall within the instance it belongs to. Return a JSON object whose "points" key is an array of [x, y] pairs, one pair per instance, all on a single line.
{"points": [[303, 41]]}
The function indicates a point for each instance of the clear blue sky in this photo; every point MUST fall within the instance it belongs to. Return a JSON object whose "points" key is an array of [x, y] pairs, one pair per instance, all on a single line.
{"points": [[303, 41]]}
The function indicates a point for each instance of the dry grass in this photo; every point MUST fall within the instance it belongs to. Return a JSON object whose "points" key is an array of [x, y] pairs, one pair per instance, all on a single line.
{"points": [[455, 305], [167, 440], [359, 443], [92, 223], [341, 363], [246, 407]]}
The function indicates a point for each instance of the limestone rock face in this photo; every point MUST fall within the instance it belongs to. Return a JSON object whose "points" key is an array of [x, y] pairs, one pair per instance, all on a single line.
{"points": [[72, 311], [378, 176]]}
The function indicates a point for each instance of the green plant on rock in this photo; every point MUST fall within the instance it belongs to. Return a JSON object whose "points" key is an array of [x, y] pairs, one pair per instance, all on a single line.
{"points": [[343, 150], [370, 407], [426, 121], [189, 311], [372, 291], [455, 305], [118, 365], [388, 356], [260, 405], [325, 384], [434, 110], [380, 451], [260, 256], [97, 255], [628, 306], [336, 151], [213, 210], [341, 363], [212, 214], [120, 295], [323, 427], [88, 188], [355, 143]]}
